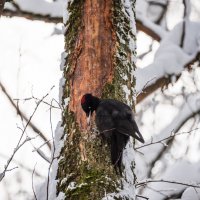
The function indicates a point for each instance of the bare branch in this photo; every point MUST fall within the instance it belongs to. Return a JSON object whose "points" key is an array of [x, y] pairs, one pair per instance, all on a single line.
{"points": [[141, 27], [173, 135], [145, 86], [33, 183], [163, 13], [35, 149], [2, 174], [141, 56], [183, 25], [144, 183], [31, 16], [21, 165], [20, 142], [34, 16], [23, 116], [188, 110], [42, 155], [140, 196], [53, 154], [37, 99]]}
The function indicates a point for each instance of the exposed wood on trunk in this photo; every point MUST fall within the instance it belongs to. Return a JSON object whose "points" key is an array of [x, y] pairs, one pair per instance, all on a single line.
{"points": [[92, 64]]}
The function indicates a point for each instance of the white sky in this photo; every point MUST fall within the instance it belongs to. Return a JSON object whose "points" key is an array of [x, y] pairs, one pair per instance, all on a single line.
{"points": [[29, 65]]}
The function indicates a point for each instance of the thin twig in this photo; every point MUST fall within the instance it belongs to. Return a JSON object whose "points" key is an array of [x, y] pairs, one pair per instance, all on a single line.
{"points": [[35, 149], [167, 138], [23, 116], [21, 165], [8, 170], [140, 196], [142, 91], [20, 142], [33, 183], [52, 153], [2, 174], [37, 99], [143, 183], [42, 155]]}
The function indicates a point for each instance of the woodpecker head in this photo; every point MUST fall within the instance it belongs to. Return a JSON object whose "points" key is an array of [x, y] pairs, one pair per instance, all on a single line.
{"points": [[89, 104]]}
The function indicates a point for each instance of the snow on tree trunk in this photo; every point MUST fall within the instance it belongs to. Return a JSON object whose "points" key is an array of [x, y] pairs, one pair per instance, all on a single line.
{"points": [[100, 52]]}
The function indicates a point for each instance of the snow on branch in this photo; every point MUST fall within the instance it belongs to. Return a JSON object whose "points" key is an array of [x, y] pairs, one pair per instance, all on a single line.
{"points": [[145, 24], [24, 117], [152, 153], [41, 7], [163, 81], [51, 12], [175, 180], [171, 59], [31, 16], [145, 27]]}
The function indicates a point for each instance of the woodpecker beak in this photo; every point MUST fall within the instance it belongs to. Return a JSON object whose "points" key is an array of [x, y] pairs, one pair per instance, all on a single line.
{"points": [[89, 118]]}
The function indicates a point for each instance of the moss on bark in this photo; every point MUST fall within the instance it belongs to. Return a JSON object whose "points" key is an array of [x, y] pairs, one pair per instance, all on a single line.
{"points": [[85, 171]]}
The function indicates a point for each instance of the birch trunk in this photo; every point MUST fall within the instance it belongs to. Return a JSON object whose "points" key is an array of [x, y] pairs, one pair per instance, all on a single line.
{"points": [[100, 48]]}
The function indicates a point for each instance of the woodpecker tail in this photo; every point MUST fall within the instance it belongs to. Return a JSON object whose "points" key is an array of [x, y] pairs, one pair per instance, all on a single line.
{"points": [[118, 143]]}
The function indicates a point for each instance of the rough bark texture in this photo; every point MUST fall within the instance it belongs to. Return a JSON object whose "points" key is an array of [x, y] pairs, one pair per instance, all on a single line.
{"points": [[99, 61], [92, 62]]}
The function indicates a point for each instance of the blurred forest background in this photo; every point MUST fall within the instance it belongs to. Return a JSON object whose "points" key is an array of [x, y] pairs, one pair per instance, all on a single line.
{"points": [[167, 95]]}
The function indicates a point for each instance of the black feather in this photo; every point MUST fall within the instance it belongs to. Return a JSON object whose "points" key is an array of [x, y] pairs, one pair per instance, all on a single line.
{"points": [[118, 143], [115, 121]]}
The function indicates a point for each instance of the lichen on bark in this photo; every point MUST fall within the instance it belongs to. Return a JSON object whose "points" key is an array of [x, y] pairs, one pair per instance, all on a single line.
{"points": [[85, 170], [124, 65], [124, 62]]}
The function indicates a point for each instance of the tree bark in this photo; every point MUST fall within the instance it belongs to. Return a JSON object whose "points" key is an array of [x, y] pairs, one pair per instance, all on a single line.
{"points": [[99, 38]]}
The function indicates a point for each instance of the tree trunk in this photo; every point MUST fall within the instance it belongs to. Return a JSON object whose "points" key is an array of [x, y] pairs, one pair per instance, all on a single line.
{"points": [[100, 47]]}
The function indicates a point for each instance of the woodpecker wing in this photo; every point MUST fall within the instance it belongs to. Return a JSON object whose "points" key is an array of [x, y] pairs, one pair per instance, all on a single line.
{"points": [[104, 121], [113, 114], [129, 127]]}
